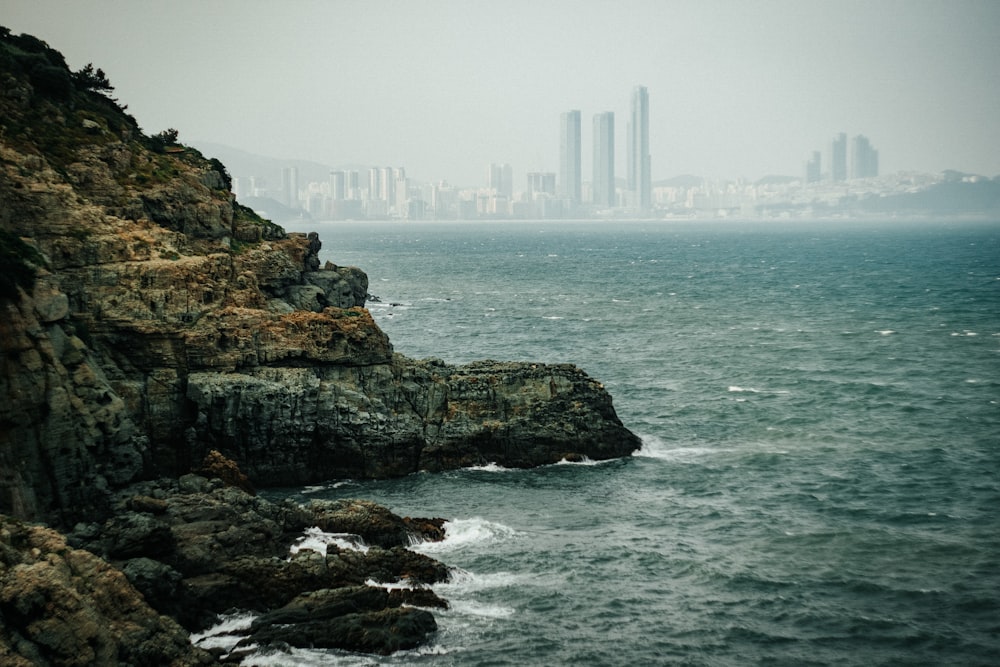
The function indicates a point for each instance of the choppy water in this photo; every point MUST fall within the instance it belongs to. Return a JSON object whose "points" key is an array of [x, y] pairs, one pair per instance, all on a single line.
{"points": [[820, 410]]}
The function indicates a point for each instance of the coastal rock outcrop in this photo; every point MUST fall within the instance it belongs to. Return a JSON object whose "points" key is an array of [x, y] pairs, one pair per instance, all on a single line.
{"points": [[153, 319], [151, 326], [66, 606], [198, 547]]}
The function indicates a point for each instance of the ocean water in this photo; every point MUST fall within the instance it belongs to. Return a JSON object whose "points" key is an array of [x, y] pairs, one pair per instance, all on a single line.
{"points": [[819, 404]]}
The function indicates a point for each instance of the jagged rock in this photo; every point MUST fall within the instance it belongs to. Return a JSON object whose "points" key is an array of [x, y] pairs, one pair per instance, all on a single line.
{"points": [[396, 418], [381, 632], [227, 549], [217, 466]]}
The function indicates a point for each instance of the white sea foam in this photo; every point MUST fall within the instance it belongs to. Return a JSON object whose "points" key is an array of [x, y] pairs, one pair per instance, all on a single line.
{"points": [[316, 488], [584, 461], [318, 540], [473, 608], [490, 467], [885, 332], [401, 585], [655, 448], [754, 390], [461, 533], [225, 634]]}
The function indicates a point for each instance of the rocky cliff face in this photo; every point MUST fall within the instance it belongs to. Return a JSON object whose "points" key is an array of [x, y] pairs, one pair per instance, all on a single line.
{"points": [[146, 318]]}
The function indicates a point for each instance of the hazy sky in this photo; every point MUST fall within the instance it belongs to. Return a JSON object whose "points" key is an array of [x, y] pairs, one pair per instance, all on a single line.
{"points": [[736, 87]]}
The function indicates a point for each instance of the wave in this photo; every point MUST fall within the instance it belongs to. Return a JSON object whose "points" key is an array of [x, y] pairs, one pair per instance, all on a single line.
{"points": [[656, 448], [490, 467], [583, 461], [753, 390], [317, 540], [461, 533], [225, 634], [485, 610], [316, 488]]}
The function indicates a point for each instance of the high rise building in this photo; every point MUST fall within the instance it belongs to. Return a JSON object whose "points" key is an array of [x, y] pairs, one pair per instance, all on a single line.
{"points": [[352, 185], [290, 187], [864, 158], [338, 180], [639, 174], [814, 168], [500, 179], [604, 159], [541, 182], [838, 158], [569, 156], [387, 184], [374, 183]]}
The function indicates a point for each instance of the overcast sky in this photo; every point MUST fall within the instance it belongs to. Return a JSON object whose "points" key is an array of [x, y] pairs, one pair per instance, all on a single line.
{"points": [[737, 88]]}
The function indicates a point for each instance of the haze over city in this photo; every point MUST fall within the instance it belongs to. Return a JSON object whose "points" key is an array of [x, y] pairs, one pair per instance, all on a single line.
{"points": [[736, 90]]}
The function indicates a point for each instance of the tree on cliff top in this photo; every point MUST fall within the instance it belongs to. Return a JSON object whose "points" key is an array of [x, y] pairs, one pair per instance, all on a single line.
{"points": [[90, 79]]}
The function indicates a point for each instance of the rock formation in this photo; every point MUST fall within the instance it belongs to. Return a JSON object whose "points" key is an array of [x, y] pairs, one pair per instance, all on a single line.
{"points": [[147, 319], [158, 319], [176, 553]]}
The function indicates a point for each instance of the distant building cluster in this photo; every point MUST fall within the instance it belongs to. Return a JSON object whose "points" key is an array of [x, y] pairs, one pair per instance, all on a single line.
{"points": [[863, 161], [387, 192]]}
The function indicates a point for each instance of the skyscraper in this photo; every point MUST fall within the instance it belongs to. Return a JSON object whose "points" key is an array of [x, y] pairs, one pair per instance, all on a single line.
{"points": [[838, 158], [338, 188], [541, 182], [864, 158], [604, 159], [374, 183], [639, 177], [814, 168], [500, 179], [290, 187], [569, 156]]}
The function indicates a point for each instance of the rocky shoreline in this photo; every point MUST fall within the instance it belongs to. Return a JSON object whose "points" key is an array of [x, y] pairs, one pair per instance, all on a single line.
{"points": [[178, 553], [157, 341]]}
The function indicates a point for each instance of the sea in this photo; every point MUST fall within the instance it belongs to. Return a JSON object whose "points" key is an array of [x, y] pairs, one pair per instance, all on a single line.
{"points": [[819, 409]]}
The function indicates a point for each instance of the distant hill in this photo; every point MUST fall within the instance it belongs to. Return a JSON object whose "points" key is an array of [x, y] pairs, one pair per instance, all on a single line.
{"points": [[682, 181], [775, 179], [272, 209], [244, 163], [950, 197]]}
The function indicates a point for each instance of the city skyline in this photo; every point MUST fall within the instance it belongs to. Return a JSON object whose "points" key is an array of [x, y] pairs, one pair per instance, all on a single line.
{"points": [[741, 90]]}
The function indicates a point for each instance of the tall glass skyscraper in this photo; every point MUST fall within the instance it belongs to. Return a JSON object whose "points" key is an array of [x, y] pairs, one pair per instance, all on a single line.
{"points": [[569, 156], [864, 158], [838, 158], [604, 159], [639, 178]]}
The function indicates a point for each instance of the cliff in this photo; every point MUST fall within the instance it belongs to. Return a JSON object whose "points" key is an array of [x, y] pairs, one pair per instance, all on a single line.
{"points": [[147, 318], [151, 327]]}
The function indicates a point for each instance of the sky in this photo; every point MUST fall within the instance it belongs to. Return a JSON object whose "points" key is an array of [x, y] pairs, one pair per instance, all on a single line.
{"points": [[737, 88]]}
